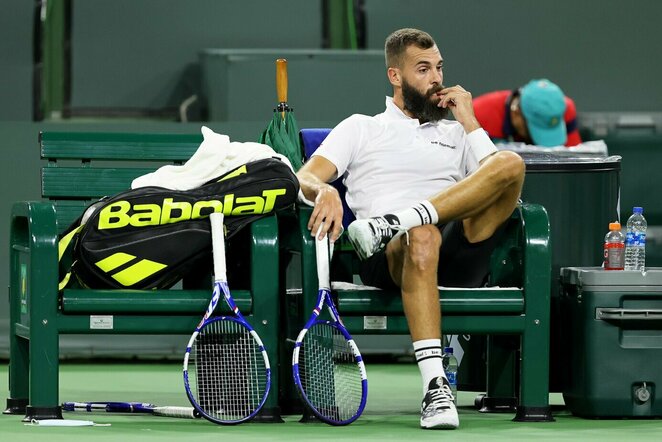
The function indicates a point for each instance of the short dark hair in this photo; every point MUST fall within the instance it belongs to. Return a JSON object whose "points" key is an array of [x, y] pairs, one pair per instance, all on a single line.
{"points": [[398, 42]]}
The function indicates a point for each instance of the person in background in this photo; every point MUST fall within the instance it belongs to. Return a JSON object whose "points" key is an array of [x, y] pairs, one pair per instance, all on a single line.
{"points": [[537, 113]]}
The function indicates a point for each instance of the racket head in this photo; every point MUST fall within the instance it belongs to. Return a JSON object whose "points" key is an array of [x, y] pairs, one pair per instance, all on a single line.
{"points": [[226, 371], [329, 373]]}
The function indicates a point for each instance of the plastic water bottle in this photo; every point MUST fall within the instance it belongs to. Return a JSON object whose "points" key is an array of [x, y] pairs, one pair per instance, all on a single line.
{"points": [[614, 248], [450, 367], [635, 241]]}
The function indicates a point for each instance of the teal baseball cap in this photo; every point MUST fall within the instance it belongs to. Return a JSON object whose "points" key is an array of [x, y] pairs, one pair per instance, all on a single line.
{"points": [[543, 105]]}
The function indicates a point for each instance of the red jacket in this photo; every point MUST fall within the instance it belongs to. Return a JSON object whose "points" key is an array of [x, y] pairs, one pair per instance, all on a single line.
{"points": [[493, 113]]}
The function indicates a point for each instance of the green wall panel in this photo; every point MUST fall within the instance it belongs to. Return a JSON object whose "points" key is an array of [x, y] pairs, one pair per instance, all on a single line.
{"points": [[603, 53], [142, 54], [16, 60], [239, 85]]}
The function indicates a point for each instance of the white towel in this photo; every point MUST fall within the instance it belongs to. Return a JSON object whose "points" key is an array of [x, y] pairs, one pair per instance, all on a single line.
{"points": [[215, 156]]}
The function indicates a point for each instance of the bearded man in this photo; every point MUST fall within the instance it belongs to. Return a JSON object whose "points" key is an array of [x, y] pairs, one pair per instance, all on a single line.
{"points": [[430, 196]]}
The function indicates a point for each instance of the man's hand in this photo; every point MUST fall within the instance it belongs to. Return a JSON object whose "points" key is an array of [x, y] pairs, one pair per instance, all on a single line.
{"points": [[460, 103], [328, 210], [313, 178]]}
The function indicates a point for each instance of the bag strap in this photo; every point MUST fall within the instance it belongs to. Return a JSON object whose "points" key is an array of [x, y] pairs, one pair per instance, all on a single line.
{"points": [[65, 244]]}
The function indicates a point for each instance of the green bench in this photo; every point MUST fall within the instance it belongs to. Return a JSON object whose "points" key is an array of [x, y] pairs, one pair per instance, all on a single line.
{"points": [[516, 303], [80, 168]]}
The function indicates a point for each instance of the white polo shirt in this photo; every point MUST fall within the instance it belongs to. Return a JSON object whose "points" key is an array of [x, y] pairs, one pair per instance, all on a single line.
{"points": [[390, 161]]}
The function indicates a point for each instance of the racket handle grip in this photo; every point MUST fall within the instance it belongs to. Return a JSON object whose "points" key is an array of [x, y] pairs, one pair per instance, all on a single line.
{"points": [[322, 255], [183, 412], [218, 246]]}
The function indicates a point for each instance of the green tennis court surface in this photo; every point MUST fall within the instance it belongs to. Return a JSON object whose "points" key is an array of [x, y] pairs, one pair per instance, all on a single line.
{"points": [[391, 413]]}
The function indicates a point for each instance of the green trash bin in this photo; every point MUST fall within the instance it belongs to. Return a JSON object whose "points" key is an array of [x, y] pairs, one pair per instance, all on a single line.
{"points": [[580, 193], [612, 359], [581, 196]]}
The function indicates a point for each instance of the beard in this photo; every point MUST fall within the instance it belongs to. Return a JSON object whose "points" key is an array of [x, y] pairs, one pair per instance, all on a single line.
{"points": [[422, 106]]}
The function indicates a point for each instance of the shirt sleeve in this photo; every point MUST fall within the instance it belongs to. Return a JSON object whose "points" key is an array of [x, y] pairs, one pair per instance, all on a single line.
{"points": [[342, 143]]}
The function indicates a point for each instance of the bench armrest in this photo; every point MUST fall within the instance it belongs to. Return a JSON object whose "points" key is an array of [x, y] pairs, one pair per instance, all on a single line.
{"points": [[537, 261], [33, 231], [33, 262], [33, 224]]}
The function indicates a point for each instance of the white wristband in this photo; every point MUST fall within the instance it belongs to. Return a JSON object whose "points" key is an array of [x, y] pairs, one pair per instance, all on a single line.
{"points": [[480, 143]]}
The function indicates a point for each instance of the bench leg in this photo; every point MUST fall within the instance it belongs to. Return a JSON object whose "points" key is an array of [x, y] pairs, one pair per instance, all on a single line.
{"points": [[501, 378], [19, 361], [534, 365], [44, 370], [266, 302], [18, 374], [44, 349], [534, 383]]}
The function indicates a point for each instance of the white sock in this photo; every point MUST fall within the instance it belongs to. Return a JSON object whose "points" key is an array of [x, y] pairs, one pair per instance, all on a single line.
{"points": [[428, 357], [417, 215]]}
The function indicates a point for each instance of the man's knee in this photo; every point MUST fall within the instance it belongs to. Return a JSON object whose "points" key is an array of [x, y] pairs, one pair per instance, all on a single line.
{"points": [[422, 246], [509, 167]]}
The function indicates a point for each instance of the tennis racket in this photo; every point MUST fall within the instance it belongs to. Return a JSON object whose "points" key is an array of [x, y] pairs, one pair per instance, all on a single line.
{"points": [[327, 366], [131, 407], [226, 368]]}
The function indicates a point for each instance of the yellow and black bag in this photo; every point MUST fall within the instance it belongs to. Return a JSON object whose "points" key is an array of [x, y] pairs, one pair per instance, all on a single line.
{"points": [[151, 237]]}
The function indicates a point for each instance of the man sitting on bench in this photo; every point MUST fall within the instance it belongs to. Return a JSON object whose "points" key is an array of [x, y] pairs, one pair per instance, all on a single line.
{"points": [[407, 170]]}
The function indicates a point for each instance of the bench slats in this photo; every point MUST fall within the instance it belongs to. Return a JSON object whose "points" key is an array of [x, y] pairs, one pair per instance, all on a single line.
{"points": [[91, 182], [466, 324], [478, 301], [153, 301], [119, 146], [131, 324], [67, 211]]}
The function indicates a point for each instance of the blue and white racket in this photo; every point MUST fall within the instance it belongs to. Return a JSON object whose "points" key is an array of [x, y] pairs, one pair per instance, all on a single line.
{"points": [[131, 407], [226, 368], [327, 366]]}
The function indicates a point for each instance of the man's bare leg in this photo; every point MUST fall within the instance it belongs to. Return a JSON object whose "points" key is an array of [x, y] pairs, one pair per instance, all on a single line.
{"points": [[413, 267], [483, 200], [413, 264]]}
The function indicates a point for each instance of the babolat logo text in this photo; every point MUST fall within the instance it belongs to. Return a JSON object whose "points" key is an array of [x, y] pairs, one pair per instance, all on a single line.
{"points": [[122, 213]]}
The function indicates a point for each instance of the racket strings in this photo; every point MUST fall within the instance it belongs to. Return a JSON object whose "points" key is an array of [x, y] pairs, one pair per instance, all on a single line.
{"points": [[329, 373], [230, 378]]}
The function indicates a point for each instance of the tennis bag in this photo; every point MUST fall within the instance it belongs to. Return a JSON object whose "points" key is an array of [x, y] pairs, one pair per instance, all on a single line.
{"points": [[151, 237]]}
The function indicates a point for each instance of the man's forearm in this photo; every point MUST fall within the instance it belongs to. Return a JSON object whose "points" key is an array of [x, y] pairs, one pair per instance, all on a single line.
{"points": [[310, 184]]}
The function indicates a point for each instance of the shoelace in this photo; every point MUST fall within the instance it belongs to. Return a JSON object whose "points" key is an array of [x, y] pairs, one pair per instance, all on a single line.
{"points": [[441, 397], [383, 229]]}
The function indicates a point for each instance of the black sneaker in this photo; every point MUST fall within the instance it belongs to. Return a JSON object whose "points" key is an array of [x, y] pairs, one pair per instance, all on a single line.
{"points": [[438, 408]]}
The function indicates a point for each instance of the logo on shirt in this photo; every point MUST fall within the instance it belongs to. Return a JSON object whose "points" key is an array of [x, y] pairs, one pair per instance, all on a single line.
{"points": [[439, 143]]}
